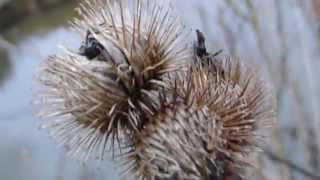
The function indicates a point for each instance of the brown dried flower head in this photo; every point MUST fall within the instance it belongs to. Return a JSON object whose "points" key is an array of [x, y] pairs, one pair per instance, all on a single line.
{"points": [[208, 125], [109, 89]]}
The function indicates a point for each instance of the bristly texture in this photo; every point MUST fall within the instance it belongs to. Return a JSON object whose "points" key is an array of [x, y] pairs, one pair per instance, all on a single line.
{"points": [[171, 146], [89, 101], [208, 127]]}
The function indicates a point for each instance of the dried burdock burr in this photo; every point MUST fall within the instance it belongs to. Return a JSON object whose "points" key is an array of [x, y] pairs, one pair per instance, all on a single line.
{"points": [[104, 92], [135, 84], [209, 124]]}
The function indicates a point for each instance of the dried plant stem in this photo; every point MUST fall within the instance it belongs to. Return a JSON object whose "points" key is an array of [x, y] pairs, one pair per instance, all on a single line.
{"points": [[291, 165], [253, 21]]}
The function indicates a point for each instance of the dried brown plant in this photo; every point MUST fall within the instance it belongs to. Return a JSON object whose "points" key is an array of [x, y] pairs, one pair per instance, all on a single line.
{"points": [[87, 102], [135, 83], [209, 124]]}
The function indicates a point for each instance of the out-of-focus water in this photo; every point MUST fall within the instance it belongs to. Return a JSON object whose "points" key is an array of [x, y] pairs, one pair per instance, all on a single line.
{"points": [[25, 151]]}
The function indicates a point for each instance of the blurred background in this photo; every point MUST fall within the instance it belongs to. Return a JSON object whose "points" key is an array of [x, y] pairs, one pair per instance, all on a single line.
{"points": [[282, 36]]}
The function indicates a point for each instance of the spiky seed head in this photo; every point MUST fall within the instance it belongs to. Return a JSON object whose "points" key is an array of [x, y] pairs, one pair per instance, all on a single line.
{"points": [[239, 95], [87, 102], [208, 126], [172, 145]]}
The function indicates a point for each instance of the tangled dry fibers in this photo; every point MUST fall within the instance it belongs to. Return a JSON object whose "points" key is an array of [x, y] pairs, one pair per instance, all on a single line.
{"points": [[171, 113]]}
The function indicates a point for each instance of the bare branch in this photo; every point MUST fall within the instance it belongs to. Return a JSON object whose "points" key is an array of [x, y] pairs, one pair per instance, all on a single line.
{"points": [[238, 11], [291, 165]]}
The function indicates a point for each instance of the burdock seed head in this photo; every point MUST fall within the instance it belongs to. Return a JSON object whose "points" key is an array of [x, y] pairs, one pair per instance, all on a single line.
{"points": [[208, 125], [109, 88]]}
